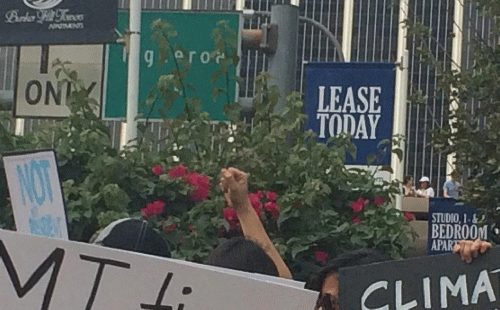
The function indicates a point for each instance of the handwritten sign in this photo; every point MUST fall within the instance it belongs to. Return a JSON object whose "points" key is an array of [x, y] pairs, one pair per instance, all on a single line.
{"points": [[430, 282], [60, 274], [450, 222], [36, 195]]}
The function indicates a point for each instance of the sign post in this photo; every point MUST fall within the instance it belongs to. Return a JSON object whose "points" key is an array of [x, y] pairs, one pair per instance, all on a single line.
{"points": [[38, 22], [194, 30], [38, 93], [354, 98]]}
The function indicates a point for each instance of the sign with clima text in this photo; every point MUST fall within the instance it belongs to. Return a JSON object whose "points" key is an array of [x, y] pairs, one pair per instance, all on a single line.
{"points": [[429, 282], [36, 194], [38, 22], [60, 274], [38, 92], [353, 98], [449, 222]]}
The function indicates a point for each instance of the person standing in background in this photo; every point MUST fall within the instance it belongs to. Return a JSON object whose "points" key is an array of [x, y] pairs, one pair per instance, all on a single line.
{"points": [[424, 190], [451, 188], [408, 188]]}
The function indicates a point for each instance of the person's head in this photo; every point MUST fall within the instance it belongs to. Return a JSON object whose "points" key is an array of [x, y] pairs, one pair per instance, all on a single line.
{"points": [[326, 281], [454, 175], [408, 180], [133, 235], [424, 182], [242, 254]]}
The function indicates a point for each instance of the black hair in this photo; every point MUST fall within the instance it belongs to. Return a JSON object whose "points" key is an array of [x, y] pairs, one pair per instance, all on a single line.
{"points": [[407, 178], [134, 235], [348, 259], [242, 254]]}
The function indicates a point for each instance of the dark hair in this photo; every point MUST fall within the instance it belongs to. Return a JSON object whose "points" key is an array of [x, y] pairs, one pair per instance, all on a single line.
{"points": [[133, 235], [348, 259], [407, 178], [242, 254]]}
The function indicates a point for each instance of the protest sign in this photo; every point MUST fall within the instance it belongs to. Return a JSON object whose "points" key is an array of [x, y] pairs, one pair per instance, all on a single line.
{"points": [[355, 98], [430, 282], [35, 193], [60, 274], [450, 222]]}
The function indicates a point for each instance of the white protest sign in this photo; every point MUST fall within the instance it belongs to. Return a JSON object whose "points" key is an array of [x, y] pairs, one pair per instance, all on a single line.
{"points": [[60, 274], [35, 193]]}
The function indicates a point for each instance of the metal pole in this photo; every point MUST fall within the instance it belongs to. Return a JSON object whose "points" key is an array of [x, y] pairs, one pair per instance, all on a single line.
{"points": [[133, 71], [400, 96], [456, 61], [347, 29], [19, 127], [282, 65], [187, 4]]}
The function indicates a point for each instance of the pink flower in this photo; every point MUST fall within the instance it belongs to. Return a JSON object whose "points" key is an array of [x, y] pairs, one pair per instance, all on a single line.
{"points": [[321, 256], [169, 228], [201, 185], [359, 205], [157, 170], [356, 220], [230, 216], [255, 202], [272, 207], [178, 171], [409, 216], [153, 208], [271, 196], [378, 201]]}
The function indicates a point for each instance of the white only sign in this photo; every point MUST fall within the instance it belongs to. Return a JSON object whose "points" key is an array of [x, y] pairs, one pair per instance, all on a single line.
{"points": [[45, 273], [37, 92], [35, 193]]}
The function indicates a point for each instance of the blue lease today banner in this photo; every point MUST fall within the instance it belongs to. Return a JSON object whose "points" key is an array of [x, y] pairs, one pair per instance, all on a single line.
{"points": [[356, 98], [41, 22], [450, 222]]}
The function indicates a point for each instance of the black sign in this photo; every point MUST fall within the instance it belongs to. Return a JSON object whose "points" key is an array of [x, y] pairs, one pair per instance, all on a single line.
{"points": [[431, 282], [39, 22]]}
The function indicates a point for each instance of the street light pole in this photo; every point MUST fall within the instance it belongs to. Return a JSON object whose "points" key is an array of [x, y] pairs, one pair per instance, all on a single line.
{"points": [[133, 72]]}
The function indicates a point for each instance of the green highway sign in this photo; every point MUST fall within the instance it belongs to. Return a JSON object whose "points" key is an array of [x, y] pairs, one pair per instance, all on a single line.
{"points": [[194, 31]]}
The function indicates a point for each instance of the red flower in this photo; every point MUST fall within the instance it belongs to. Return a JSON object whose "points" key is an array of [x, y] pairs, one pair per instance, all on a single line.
{"points": [[359, 205], [169, 228], [321, 257], [255, 202], [157, 170], [356, 220], [271, 196], [231, 217], [409, 216], [178, 171], [272, 207], [378, 201], [153, 208], [201, 185], [259, 194]]}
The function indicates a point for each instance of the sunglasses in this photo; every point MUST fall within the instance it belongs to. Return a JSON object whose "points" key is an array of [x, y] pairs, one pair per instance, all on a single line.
{"points": [[327, 302]]}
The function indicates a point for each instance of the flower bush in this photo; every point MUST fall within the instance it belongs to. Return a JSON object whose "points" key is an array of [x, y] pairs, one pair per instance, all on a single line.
{"points": [[311, 204]]}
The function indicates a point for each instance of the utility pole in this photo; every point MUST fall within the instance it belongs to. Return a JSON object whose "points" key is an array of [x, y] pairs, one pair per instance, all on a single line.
{"points": [[283, 64]]}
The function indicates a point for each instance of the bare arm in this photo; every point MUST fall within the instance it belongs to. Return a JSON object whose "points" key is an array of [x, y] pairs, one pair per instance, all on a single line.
{"points": [[468, 249], [234, 183]]}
